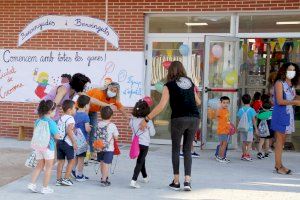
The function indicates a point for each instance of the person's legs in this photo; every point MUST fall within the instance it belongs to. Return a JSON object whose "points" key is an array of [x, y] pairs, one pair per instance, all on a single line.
{"points": [[94, 123], [260, 144], [69, 168], [267, 145], [104, 171], [280, 140], [37, 170], [47, 176], [140, 162], [248, 148], [60, 166], [80, 165]]}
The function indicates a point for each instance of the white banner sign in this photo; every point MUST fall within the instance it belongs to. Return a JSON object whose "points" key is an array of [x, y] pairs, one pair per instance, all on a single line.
{"points": [[27, 75], [82, 23]]}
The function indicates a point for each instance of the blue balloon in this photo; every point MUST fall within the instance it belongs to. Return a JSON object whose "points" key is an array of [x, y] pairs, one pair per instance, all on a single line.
{"points": [[214, 103], [184, 49]]}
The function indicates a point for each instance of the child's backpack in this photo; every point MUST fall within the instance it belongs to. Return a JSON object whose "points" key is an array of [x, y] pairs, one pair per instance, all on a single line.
{"points": [[62, 128], [135, 147], [243, 125], [81, 141], [41, 136], [263, 129], [100, 137]]}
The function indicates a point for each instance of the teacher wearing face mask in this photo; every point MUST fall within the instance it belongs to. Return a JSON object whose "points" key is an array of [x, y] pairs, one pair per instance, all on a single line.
{"points": [[109, 96], [283, 122]]}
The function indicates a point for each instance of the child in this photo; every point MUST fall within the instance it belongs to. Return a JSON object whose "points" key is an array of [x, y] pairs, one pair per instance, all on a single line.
{"points": [[82, 123], [46, 110], [256, 102], [265, 114], [109, 133], [223, 117], [140, 111], [67, 144], [247, 135]]}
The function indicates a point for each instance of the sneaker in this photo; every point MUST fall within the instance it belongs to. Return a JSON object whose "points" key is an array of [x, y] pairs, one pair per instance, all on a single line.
{"points": [[82, 178], [105, 183], [86, 163], [58, 182], [74, 173], [260, 155], [32, 187], [66, 182], [146, 179], [187, 186], [248, 158], [181, 155], [227, 160], [47, 190], [266, 155], [133, 184], [195, 155], [175, 186], [243, 157], [221, 160]]}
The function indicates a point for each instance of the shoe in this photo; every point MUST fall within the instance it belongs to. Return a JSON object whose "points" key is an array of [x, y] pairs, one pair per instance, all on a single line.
{"points": [[32, 187], [260, 155], [58, 182], [105, 183], [248, 158], [82, 178], [221, 160], [47, 190], [181, 155], [146, 180], [133, 184], [243, 157], [74, 173], [187, 186], [227, 160], [66, 182], [266, 155], [175, 186], [195, 155], [86, 163]]}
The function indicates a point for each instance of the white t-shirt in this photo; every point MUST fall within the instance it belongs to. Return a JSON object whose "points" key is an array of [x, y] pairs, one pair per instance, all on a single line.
{"points": [[144, 136], [112, 132], [63, 122]]}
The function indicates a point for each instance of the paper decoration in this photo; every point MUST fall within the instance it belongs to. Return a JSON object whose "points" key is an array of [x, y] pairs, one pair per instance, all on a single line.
{"points": [[250, 54], [169, 52], [217, 51], [231, 78], [184, 49], [281, 42], [272, 45]]}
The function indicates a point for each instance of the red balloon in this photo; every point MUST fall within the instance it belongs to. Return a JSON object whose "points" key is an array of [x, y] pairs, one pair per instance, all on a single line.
{"points": [[166, 64]]}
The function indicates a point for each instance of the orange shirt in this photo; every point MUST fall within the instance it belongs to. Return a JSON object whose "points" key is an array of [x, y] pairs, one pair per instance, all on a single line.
{"points": [[223, 121], [101, 96]]}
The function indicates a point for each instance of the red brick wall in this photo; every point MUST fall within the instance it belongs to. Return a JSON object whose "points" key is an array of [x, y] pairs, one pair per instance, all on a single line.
{"points": [[125, 16]]}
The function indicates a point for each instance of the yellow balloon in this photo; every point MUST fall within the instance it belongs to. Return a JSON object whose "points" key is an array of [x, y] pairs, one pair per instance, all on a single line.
{"points": [[231, 78]]}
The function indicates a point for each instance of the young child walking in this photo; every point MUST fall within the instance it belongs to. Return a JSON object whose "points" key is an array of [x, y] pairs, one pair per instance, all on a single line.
{"points": [[82, 125], [46, 110], [108, 132], [247, 116], [67, 144], [223, 117], [140, 111]]}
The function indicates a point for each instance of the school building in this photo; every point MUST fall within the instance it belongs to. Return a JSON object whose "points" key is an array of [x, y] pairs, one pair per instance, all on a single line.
{"points": [[229, 47]]}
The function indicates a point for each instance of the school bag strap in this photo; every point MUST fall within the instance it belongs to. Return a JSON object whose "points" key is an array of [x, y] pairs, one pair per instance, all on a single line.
{"points": [[65, 128], [135, 132]]}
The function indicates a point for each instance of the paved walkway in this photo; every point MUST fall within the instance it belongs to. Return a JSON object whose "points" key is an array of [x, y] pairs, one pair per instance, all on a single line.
{"points": [[211, 180]]}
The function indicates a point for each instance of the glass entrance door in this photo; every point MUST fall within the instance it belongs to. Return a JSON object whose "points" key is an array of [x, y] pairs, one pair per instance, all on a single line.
{"points": [[220, 79]]}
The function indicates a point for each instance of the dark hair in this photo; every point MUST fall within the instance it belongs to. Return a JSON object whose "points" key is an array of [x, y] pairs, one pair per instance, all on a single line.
{"points": [[265, 98], [281, 74], [83, 100], [78, 81], [175, 71], [67, 104], [45, 106], [256, 96], [106, 112], [68, 76], [224, 98], [246, 99], [141, 109], [266, 105]]}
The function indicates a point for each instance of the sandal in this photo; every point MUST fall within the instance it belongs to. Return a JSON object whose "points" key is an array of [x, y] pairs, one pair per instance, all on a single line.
{"points": [[282, 169]]}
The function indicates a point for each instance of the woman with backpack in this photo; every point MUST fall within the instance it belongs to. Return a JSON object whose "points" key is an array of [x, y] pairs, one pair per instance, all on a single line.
{"points": [[180, 92], [44, 128], [283, 122]]}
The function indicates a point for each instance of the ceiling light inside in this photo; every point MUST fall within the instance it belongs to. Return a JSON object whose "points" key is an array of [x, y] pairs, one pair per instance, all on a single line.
{"points": [[288, 23], [196, 24]]}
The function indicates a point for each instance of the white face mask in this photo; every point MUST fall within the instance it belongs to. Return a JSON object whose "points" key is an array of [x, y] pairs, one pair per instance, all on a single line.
{"points": [[290, 74], [111, 94]]}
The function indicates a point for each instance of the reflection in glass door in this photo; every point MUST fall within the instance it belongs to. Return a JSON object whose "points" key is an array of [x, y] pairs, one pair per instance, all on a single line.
{"points": [[220, 79]]}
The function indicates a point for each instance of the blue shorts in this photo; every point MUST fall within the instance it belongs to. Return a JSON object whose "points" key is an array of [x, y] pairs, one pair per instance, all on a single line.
{"points": [[247, 136], [64, 150], [105, 156], [223, 137]]}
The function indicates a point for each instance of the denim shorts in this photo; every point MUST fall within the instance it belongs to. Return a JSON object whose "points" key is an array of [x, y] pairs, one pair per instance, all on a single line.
{"points": [[247, 136], [105, 156], [223, 137]]}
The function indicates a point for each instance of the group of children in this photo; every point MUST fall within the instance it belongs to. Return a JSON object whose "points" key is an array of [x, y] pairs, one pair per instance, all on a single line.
{"points": [[254, 119], [67, 134]]}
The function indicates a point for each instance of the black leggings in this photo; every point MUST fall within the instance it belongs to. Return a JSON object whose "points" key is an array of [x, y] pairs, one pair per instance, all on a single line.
{"points": [[140, 163], [186, 126]]}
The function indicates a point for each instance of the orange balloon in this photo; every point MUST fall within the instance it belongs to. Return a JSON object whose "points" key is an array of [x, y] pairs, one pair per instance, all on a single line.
{"points": [[211, 114]]}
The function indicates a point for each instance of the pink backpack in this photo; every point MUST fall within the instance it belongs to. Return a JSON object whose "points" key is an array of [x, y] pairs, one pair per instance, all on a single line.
{"points": [[134, 148]]}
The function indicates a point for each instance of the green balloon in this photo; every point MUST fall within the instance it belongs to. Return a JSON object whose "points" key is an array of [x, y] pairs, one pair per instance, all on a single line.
{"points": [[159, 86]]}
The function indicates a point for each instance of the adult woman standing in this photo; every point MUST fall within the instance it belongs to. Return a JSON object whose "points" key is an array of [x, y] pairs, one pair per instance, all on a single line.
{"points": [[180, 90], [283, 122]]}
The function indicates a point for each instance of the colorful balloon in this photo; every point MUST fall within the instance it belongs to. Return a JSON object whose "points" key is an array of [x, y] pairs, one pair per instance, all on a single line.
{"points": [[159, 86], [166, 64], [231, 78], [184, 49], [214, 103], [217, 51]]}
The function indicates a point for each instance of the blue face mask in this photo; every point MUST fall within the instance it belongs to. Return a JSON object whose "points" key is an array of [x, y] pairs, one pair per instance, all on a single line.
{"points": [[111, 94]]}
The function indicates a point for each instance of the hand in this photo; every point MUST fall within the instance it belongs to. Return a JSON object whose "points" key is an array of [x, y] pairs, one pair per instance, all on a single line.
{"points": [[143, 125], [113, 107]]}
